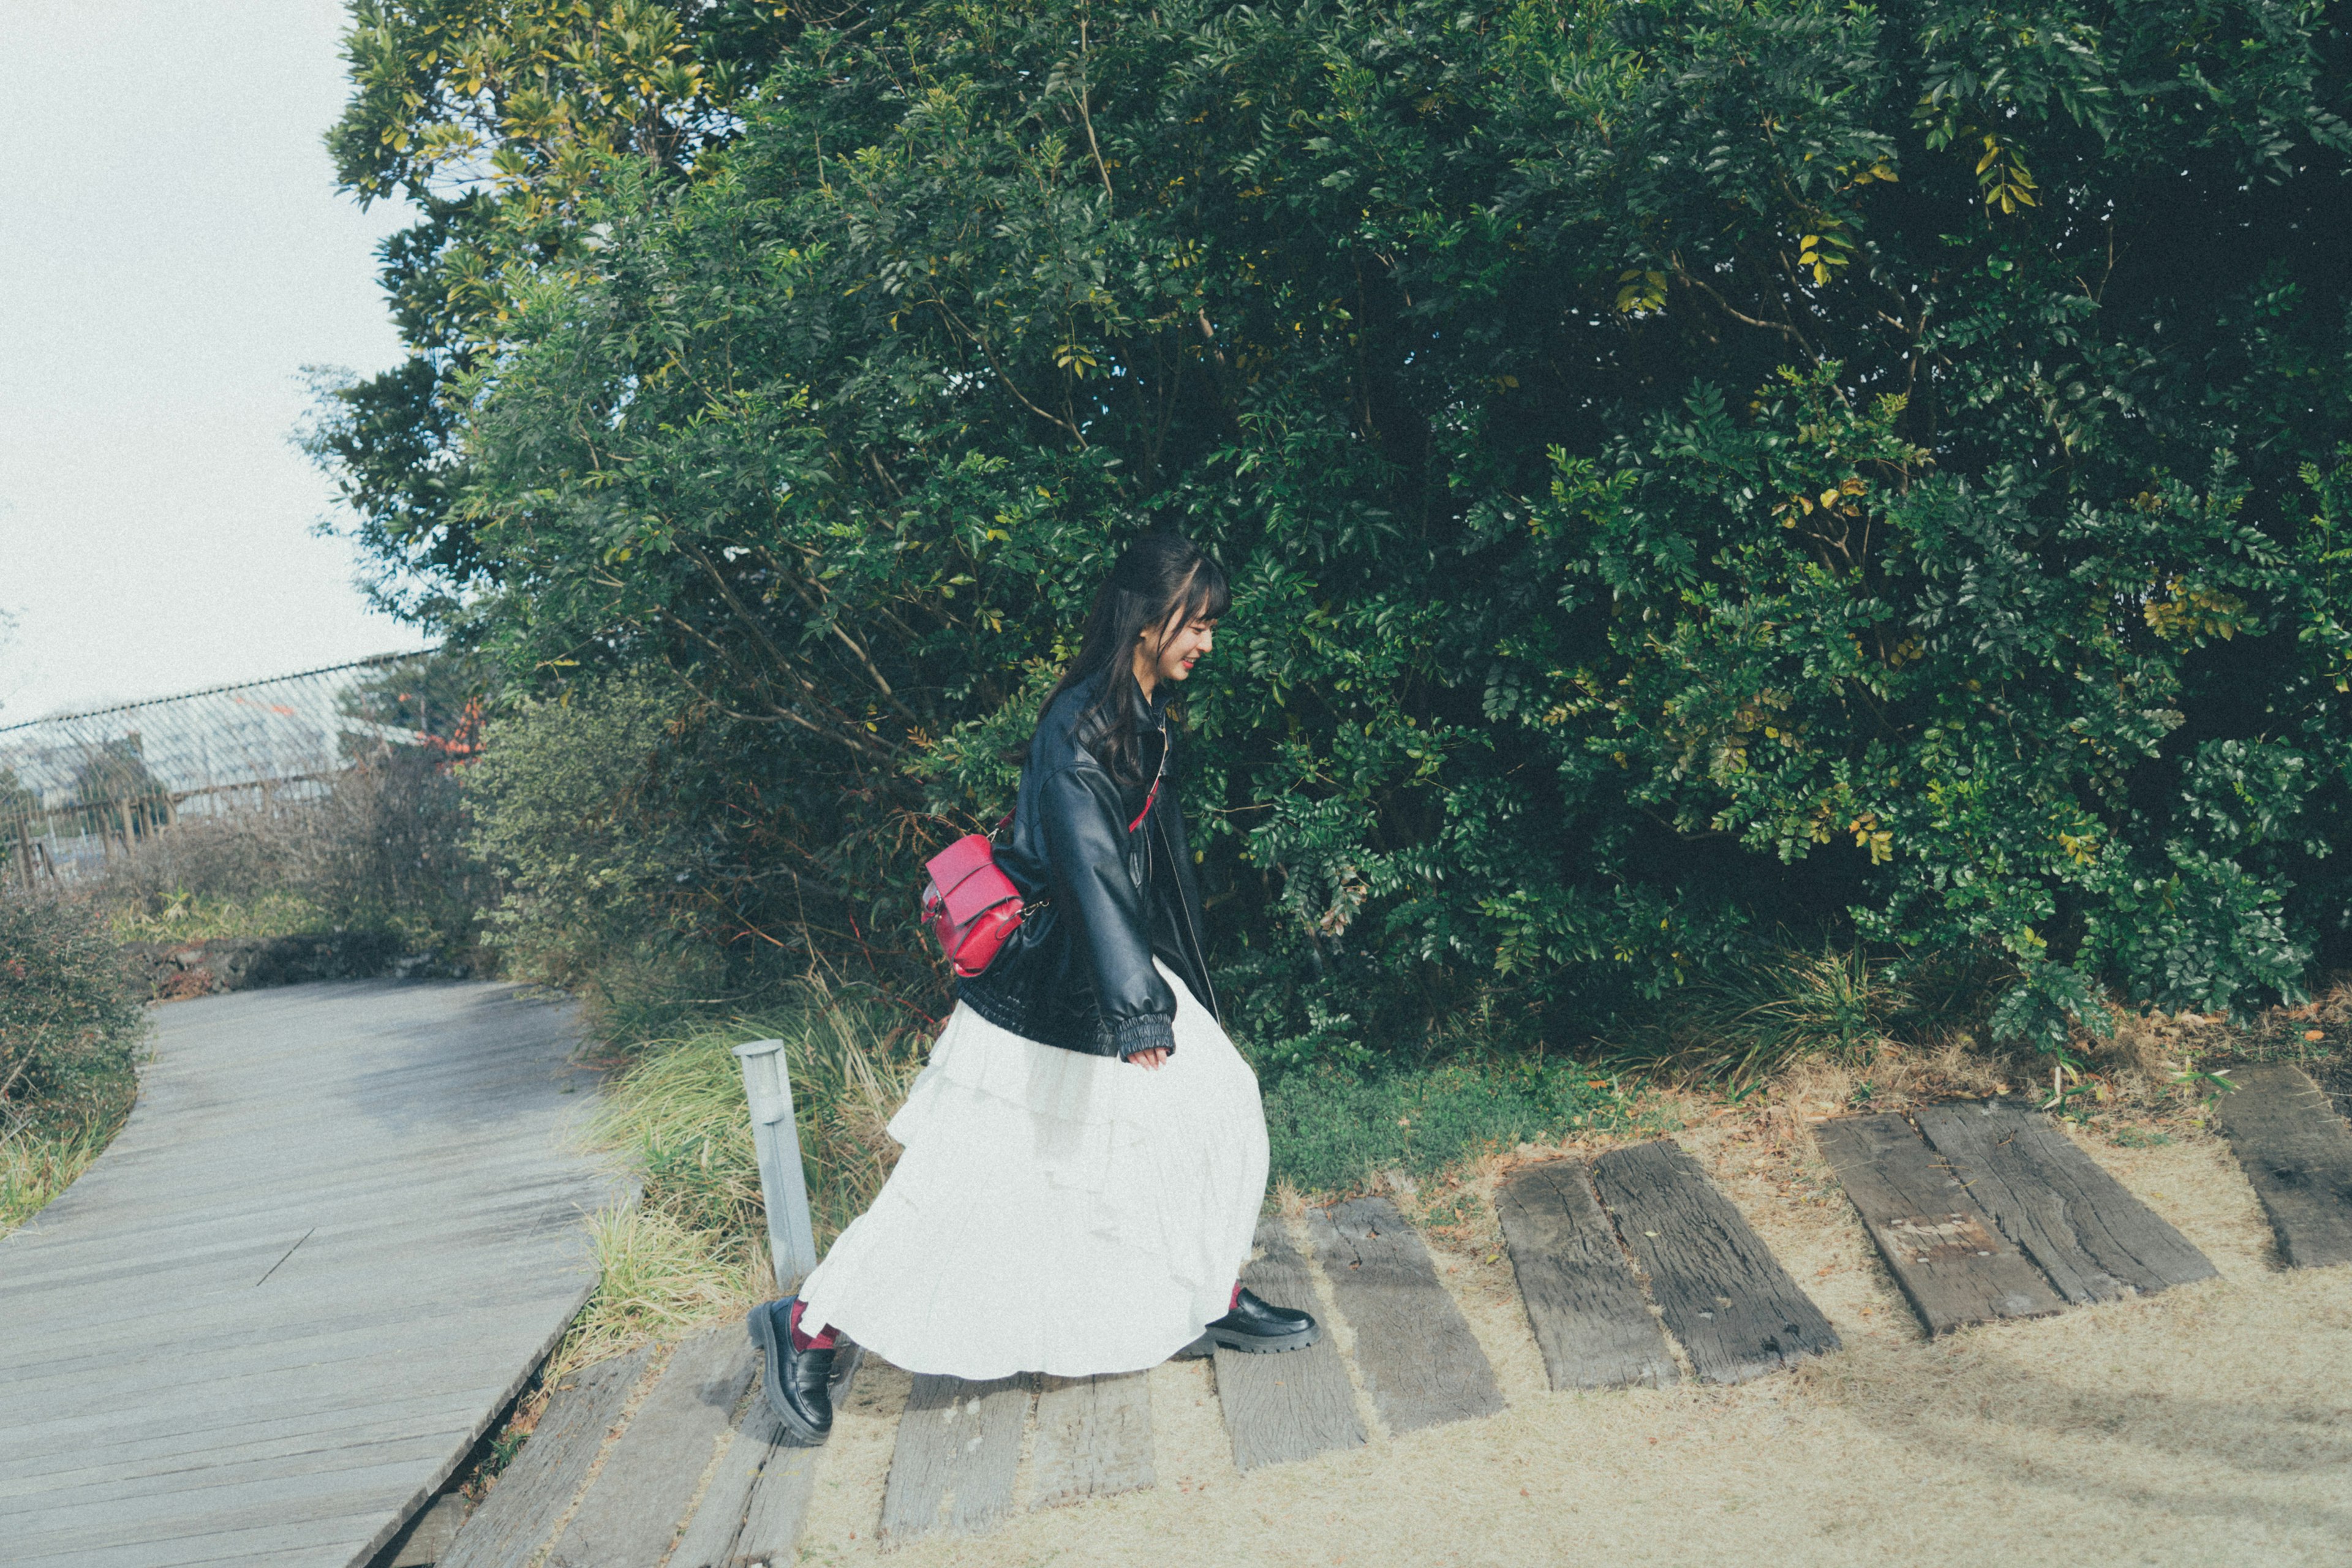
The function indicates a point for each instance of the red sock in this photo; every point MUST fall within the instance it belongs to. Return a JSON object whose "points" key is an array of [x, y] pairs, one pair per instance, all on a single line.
{"points": [[817, 1342], [1236, 1304]]}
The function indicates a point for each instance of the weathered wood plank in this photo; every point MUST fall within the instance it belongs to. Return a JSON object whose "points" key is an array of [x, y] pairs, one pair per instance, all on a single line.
{"points": [[2297, 1152], [1291, 1405], [958, 1452], [339, 1230], [532, 1493], [758, 1496], [427, 1539], [1418, 1358], [1940, 1245], [2094, 1240], [769, 1535], [1722, 1293], [633, 1507], [1094, 1438], [1589, 1314]]}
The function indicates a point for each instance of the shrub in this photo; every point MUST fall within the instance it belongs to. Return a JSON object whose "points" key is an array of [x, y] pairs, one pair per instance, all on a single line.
{"points": [[68, 1028], [589, 871], [1682, 465], [68, 1019]]}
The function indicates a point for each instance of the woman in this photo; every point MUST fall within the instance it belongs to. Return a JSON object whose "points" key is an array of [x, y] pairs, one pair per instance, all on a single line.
{"points": [[1085, 1155]]}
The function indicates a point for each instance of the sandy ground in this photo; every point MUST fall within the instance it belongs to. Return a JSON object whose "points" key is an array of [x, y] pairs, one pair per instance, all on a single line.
{"points": [[2209, 1425]]}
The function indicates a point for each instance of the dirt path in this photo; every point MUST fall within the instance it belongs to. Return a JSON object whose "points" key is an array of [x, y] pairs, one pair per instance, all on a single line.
{"points": [[2209, 1425]]}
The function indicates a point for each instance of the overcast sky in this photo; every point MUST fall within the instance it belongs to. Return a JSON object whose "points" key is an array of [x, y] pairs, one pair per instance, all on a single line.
{"points": [[172, 252]]}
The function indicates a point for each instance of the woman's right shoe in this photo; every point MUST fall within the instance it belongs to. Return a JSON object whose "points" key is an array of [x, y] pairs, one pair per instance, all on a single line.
{"points": [[796, 1380], [1253, 1327]]}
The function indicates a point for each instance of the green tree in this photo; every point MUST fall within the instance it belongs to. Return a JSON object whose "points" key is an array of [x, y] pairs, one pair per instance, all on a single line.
{"points": [[1681, 463], [497, 119]]}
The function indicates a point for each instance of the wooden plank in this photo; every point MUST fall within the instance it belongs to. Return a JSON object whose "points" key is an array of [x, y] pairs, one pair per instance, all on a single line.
{"points": [[778, 1507], [1094, 1438], [424, 1541], [1418, 1358], [1293, 1404], [2297, 1152], [2094, 1240], [1720, 1290], [1940, 1246], [538, 1485], [633, 1507], [958, 1449], [339, 1230], [758, 1496], [1589, 1314]]}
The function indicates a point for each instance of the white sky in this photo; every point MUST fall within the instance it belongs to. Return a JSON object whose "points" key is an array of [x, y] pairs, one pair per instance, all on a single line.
{"points": [[172, 251]]}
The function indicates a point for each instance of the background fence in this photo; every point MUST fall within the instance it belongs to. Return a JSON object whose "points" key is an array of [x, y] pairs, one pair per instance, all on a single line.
{"points": [[76, 789]]}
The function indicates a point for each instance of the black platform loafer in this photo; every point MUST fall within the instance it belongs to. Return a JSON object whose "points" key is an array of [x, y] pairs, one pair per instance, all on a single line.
{"points": [[1256, 1327], [797, 1382]]}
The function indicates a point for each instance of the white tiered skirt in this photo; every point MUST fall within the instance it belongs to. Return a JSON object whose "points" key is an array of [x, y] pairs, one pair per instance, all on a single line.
{"points": [[1053, 1212]]}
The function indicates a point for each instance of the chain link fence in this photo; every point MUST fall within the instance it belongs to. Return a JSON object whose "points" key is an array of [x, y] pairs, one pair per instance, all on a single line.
{"points": [[77, 790]]}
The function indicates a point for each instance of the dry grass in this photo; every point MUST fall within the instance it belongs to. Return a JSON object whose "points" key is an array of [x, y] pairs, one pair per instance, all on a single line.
{"points": [[694, 1250], [656, 1279]]}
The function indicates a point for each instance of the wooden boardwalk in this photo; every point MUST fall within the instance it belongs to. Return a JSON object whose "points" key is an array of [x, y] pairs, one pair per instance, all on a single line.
{"points": [[342, 1227]]}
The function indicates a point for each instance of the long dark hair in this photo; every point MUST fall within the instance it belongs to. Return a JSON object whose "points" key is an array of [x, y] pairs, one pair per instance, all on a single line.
{"points": [[1163, 579]]}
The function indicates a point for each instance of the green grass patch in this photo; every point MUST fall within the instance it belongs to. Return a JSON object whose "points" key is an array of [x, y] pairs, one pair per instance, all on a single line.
{"points": [[1331, 1131]]}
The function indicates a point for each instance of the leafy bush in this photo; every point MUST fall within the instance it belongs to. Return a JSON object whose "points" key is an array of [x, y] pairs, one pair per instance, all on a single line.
{"points": [[69, 1027], [595, 881], [1678, 461], [67, 1020]]}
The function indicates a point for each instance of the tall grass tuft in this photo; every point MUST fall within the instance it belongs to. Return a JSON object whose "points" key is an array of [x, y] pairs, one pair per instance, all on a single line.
{"points": [[696, 1247], [1784, 1005], [41, 1160]]}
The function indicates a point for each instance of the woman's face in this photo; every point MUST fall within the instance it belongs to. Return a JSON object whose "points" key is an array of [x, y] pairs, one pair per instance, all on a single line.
{"points": [[1171, 653]]}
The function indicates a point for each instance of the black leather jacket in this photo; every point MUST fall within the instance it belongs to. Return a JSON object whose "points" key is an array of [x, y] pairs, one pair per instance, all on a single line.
{"points": [[1104, 901]]}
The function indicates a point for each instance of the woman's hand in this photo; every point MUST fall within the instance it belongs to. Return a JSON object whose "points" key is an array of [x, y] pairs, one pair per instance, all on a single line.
{"points": [[1153, 1058]]}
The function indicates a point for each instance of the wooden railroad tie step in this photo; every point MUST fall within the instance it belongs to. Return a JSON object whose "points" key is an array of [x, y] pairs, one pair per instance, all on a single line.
{"points": [[1719, 1289], [758, 1497], [1586, 1308], [1942, 1248], [537, 1488], [2297, 1152], [1417, 1356], [1094, 1438], [958, 1453], [1294, 1405], [2094, 1240], [633, 1507], [686, 1427]]}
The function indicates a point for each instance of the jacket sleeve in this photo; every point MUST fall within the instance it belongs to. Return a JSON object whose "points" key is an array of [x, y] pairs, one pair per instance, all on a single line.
{"points": [[1085, 837]]}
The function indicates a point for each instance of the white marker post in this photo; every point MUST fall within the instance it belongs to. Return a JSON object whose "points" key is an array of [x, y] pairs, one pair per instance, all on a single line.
{"points": [[792, 1240]]}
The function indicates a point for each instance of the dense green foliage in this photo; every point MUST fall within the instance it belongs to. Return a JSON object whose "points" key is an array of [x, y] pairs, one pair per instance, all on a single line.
{"points": [[68, 1019], [584, 871], [1682, 465]]}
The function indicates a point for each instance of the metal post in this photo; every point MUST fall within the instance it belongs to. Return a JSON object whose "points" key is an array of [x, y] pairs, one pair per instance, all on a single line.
{"points": [[792, 1240]]}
